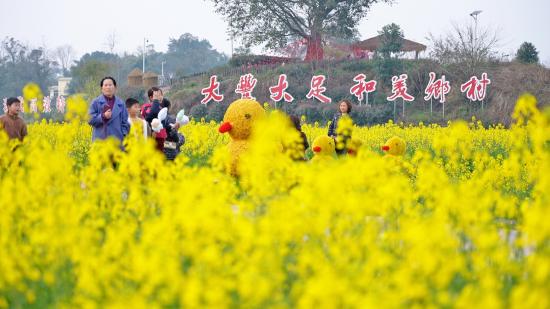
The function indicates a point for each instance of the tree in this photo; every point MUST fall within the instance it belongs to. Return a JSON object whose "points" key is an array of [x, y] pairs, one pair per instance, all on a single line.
{"points": [[14, 50], [527, 53], [95, 65], [391, 40], [466, 45], [20, 65], [65, 56], [88, 73], [40, 67], [111, 41], [243, 50], [276, 23], [99, 56], [188, 54]]}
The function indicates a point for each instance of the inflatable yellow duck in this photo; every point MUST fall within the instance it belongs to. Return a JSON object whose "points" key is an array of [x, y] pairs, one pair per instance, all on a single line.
{"points": [[237, 122], [323, 148], [395, 147]]}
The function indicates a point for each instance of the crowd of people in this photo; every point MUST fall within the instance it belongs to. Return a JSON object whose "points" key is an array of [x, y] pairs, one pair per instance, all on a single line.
{"points": [[108, 117], [111, 117]]}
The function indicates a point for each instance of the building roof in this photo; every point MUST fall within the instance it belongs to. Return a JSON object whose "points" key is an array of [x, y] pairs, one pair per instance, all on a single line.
{"points": [[374, 43], [150, 75], [135, 73]]}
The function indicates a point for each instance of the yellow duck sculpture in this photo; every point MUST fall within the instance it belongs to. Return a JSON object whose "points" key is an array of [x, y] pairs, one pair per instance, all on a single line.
{"points": [[237, 122], [323, 148], [353, 146], [395, 147]]}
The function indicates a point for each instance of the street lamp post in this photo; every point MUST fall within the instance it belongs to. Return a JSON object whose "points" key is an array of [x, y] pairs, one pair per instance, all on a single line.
{"points": [[145, 41], [232, 37], [474, 15], [162, 70], [171, 76]]}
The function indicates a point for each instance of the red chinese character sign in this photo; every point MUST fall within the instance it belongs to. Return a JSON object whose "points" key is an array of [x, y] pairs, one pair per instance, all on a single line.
{"points": [[33, 105], [47, 106], [317, 89], [476, 89], [60, 104], [399, 90], [437, 89], [212, 91], [278, 92], [246, 86], [22, 100], [362, 88]]}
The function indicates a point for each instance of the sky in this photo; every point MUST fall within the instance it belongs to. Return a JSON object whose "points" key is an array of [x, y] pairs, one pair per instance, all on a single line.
{"points": [[86, 24]]}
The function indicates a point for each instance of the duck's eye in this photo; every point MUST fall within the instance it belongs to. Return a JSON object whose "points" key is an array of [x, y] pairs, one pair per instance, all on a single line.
{"points": [[247, 116]]}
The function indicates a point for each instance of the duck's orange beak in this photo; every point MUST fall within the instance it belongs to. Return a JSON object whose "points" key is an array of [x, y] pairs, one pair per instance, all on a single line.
{"points": [[225, 127], [317, 149], [386, 148]]}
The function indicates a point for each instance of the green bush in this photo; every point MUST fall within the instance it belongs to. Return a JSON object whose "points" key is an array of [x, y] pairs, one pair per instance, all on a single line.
{"points": [[363, 115], [312, 112], [239, 60], [199, 111], [386, 68], [527, 53], [216, 111], [357, 66], [328, 112]]}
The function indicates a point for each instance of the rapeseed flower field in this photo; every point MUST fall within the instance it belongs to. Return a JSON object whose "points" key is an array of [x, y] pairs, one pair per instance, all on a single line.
{"points": [[460, 221]]}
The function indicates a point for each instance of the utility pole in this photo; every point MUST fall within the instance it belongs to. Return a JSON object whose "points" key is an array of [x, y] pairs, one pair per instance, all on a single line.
{"points": [[145, 41], [232, 36], [162, 71]]}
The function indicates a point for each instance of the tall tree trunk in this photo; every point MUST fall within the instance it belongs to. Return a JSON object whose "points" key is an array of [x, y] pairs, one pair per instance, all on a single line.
{"points": [[314, 48]]}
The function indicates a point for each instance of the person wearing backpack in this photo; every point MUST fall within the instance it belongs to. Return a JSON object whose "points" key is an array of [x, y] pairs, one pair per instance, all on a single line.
{"points": [[174, 139], [150, 111]]}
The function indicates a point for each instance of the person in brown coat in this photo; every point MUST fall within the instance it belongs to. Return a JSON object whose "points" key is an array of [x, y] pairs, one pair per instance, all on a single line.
{"points": [[11, 123]]}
